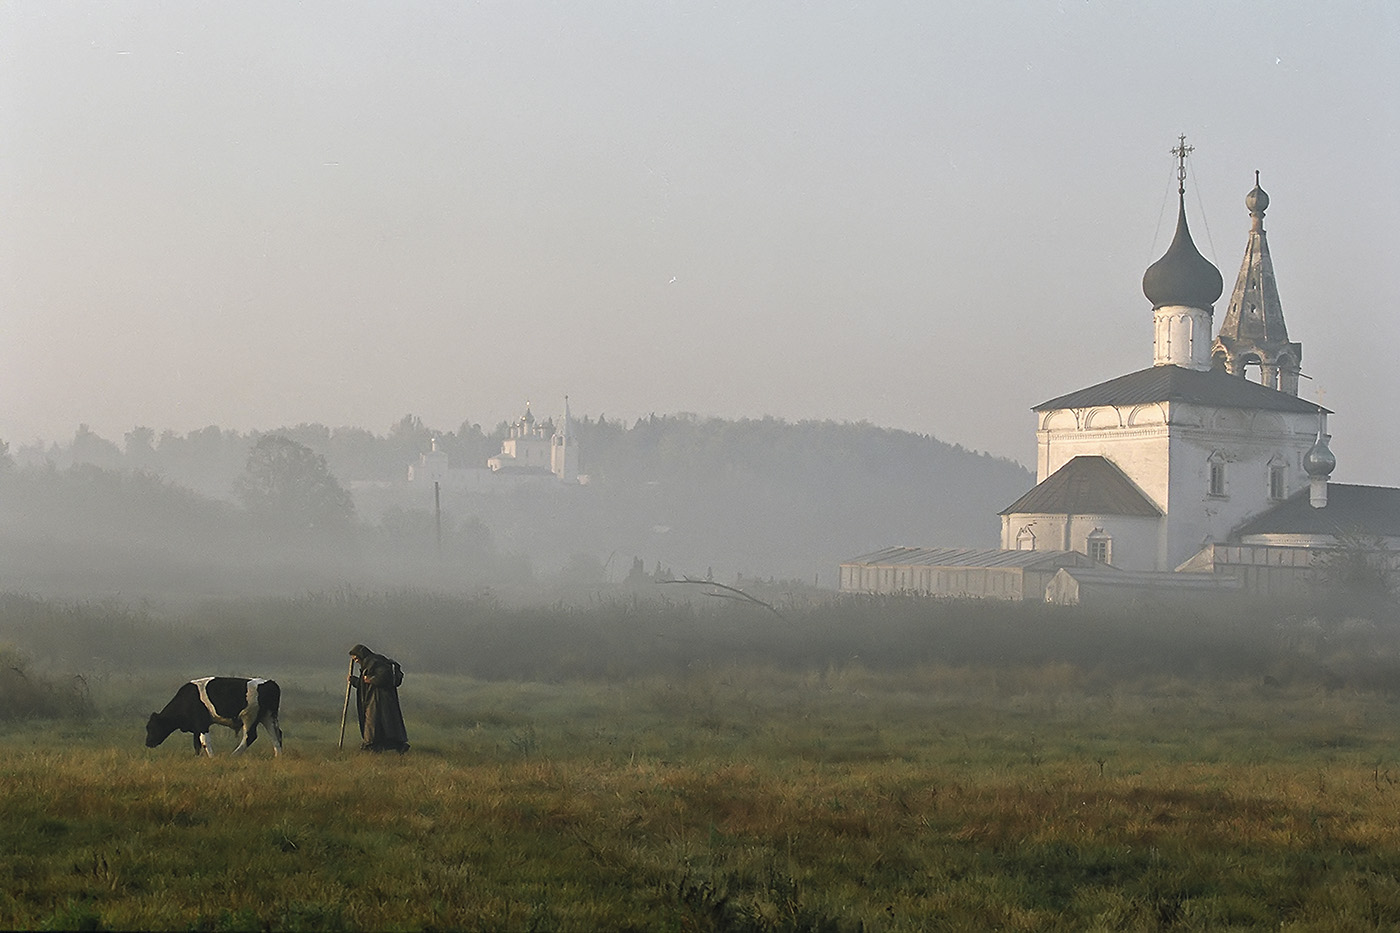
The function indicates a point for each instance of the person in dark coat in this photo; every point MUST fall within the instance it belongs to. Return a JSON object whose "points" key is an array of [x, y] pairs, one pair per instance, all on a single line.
{"points": [[377, 701]]}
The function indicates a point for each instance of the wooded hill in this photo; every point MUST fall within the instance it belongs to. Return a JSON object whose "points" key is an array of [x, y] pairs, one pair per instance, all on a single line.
{"points": [[683, 495]]}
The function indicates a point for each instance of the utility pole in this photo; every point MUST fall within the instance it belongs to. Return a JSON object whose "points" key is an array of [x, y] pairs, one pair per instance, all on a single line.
{"points": [[437, 517]]}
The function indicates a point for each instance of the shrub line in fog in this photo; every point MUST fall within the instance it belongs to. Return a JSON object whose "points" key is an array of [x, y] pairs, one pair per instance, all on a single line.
{"points": [[481, 637]]}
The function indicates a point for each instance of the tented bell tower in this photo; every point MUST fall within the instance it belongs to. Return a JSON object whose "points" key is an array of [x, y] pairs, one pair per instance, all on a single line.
{"points": [[1253, 333]]}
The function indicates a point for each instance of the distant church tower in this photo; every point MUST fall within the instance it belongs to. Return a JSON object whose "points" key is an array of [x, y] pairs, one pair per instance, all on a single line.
{"points": [[1182, 286], [563, 453], [1253, 333]]}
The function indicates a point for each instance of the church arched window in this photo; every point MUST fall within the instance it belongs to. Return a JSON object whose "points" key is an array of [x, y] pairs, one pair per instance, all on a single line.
{"points": [[1215, 483], [1278, 478], [1099, 546]]}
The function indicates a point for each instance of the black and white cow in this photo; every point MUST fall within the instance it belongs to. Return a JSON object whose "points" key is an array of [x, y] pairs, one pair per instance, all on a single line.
{"points": [[241, 703]]}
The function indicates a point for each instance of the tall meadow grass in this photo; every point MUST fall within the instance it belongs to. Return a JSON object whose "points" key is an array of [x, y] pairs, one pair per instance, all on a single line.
{"points": [[880, 764]]}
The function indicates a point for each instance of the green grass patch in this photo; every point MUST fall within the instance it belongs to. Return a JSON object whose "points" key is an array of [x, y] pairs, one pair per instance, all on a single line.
{"points": [[741, 799], [881, 765]]}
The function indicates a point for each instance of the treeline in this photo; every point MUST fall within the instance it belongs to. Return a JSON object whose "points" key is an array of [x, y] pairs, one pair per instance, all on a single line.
{"points": [[698, 496], [210, 459], [676, 448], [87, 531]]}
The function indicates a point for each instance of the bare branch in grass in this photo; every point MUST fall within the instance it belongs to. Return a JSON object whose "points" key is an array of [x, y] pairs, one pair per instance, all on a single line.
{"points": [[732, 592]]}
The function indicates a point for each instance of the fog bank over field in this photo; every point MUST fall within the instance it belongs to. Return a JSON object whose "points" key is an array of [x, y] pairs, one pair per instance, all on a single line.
{"points": [[305, 508], [1007, 647]]}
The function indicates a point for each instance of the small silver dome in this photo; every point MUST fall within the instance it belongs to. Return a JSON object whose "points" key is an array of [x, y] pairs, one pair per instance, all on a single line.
{"points": [[1257, 200], [1319, 462]]}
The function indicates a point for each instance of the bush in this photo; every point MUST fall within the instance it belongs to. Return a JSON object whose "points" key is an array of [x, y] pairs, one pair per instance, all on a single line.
{"points": [[25, 695]]}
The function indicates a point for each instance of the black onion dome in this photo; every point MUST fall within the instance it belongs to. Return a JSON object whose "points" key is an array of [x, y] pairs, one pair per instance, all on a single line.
{"points": [[1182, 276]]}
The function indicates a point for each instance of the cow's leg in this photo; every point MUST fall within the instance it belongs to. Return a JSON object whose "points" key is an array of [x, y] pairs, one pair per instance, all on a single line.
{"points": [[248, 720], [198, 749], [203, 740], [276, 729]]}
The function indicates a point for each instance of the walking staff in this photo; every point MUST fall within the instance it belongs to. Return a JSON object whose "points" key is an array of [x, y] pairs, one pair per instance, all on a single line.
{"points": [[345, 713]]}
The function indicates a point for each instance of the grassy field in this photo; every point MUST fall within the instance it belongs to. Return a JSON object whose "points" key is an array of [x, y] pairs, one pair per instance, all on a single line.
{"points": [[735, 792]]}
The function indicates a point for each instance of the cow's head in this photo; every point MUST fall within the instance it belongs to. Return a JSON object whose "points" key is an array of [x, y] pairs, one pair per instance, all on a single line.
{"points": [[158, 729]]}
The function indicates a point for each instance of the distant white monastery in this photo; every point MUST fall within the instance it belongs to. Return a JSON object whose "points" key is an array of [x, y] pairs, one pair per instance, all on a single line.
{"points": [[528, 456], [1187, 467], [526, 449]]}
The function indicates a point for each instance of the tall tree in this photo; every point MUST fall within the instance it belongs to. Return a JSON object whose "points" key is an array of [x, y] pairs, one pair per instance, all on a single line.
{"points": [[287, 487], [88, 447], [140, 448]]}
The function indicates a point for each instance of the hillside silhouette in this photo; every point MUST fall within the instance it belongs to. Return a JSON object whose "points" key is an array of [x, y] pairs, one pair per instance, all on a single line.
{"points": [[679, 495]]}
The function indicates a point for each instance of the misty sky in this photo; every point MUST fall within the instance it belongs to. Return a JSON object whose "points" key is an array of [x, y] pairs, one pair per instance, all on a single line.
{"points": [[929, 216]]}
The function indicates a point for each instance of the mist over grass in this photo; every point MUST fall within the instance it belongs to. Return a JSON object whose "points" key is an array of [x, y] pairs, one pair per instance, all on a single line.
{"points": [[651, 632]]}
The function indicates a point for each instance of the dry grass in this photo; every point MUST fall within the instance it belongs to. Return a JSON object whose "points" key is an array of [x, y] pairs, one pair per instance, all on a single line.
{"points": [[874, 764], [733, 798]]}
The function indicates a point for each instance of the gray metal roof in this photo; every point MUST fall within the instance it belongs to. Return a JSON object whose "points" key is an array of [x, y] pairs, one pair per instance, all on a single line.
{"points": [[1364, 510], [1151, 579], [1169, 383], [1085, 486], [964, 557]]}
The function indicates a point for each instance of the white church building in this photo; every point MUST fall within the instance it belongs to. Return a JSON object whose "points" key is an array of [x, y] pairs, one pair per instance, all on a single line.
{"points": [[529, 455], [1190, 465], [527, 449]]}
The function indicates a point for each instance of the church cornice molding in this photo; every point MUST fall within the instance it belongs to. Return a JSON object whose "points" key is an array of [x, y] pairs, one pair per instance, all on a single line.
{"points": [[1186, 433], [1128, 432], [1174, 415]]}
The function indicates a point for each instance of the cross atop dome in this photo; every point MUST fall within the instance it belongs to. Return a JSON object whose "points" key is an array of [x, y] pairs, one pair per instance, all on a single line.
{"points": [[1182, 286], [1181, 151]]}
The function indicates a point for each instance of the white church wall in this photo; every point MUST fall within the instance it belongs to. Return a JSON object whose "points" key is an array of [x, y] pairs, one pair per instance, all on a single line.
{"points": [[431, 467], [1151, 414], [1167, 452], [1245, 448], [1033, 532], [525, 451], [1139, 450], [563, 459], [1131, 541]]}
